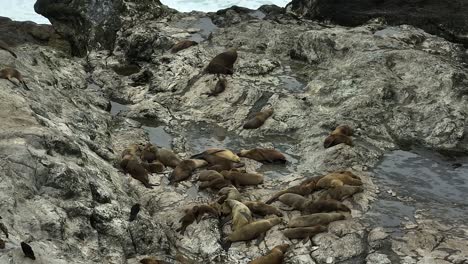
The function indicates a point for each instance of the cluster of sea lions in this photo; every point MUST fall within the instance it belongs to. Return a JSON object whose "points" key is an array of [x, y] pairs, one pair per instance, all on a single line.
{"points": [[9, 73]]}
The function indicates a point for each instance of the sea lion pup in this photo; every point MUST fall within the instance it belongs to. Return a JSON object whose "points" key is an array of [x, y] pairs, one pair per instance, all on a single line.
{"points": [[216, 152], [240, 178], [183, 44], [333, 140], [312, 207], [136, 170], [340, 193], [263, 155], [5, 46], [154, 167], [259, 119], [134, 212], [209, 175], [275, 256], [10, 73], [228, 193], [339, 178], [167, 157], [306, 187], [195, 213], [304, 232], [185, 169], [223, 63], [219, 87], [149, 153], [343, 130], [241, 214], [296, 201], [315, 219], [253, 230], [27, 250], [133, 150], [263, 209]]}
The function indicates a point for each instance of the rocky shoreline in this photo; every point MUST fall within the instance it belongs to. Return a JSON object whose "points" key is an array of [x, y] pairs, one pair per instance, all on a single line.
{"points": [[398, 86]]}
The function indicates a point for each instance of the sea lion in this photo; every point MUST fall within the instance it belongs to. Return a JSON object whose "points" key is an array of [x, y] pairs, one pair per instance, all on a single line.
{"points": [[241, 214], [341, 192], [134, 212], [216, 184], [136, 170], [343, 130], [209, 175], [223, 63], [151, 260], [231, 193], [183, 44], [195, 213], [221, 153], [275, 256], [167, 157], [10, 73], [149, 153], [6, 47], [220, 164], [133, 150], [304, 232], [219, 87], [253, 230], [259, 119], [263, 155], [241, 178], [296, 201], [315, 219], [312, 207], [4, 229], [339, 178], [184, 170], [306, 187], [2, 244], [27, 250], [333, 140], [154, 167], [263, 209]]}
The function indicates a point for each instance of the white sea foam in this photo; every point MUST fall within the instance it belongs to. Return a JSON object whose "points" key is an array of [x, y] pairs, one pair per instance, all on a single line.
{"points": [[23, 10]]}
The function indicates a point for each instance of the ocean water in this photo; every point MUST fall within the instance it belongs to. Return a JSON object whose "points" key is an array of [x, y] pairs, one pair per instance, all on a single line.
{"points": [[23, 10]]}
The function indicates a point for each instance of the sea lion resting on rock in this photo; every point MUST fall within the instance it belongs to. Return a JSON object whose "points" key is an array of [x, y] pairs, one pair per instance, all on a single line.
{"points": [[149, 153], [343, 130], [167, 157], [223, 63], [340, 193], [133, 150], [185, 169], [151, 260], [315, 219], [304, 205], [253, 230], [5, 46], [196, 213], [339, 178], [304, 232], [258, 120], [216, 184], [131, 165], [216, 152], [275, 256], [341, 134], [241, 214], [183, 44], [209, 175], [10, 73], [240, 178], [263, 155], [306, 187], [262, 209], [154, 167], [219, 87]]}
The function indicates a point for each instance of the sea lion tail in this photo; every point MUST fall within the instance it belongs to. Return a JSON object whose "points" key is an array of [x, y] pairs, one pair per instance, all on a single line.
{"points": [[225, 244]]}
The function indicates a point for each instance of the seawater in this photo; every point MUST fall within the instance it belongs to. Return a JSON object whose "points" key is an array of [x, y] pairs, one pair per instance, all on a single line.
{"points": [[23, 10]]}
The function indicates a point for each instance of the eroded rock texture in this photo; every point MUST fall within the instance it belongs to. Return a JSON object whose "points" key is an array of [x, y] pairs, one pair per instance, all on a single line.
{"points": [[61, 190]]}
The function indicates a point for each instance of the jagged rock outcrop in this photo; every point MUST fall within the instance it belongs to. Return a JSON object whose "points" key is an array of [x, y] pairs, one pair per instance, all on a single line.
{"points": [[445, 18]]}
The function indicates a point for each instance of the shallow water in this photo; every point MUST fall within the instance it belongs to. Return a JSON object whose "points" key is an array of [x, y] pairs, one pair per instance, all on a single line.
{"points": [[420, 182], [204, 24], [116, 108]]}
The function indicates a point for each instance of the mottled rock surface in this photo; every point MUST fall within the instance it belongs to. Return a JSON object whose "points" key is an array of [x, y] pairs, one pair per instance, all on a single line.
{"points": [[60, 189]]}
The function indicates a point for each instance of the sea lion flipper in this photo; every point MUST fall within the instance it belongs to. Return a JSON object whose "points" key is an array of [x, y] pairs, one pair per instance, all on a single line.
{"points": [[225, 244], [225, 220], [260, 239], [305, 240]]}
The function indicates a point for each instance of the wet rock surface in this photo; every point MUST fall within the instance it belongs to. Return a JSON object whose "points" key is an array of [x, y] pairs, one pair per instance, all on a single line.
{"points": [[397, 86]]}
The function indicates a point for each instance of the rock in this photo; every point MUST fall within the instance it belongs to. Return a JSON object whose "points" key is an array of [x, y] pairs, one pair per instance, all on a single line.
{"points": [[377, 259]]}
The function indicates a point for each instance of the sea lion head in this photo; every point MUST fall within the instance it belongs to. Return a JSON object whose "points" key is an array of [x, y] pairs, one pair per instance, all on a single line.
{"points": [[242, 152], [283, 247]]}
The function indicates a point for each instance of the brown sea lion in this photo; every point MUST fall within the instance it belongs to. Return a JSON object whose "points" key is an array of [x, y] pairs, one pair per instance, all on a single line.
{"points": [[343, 130], [10, 73], [136, 170], [223, 63], [263, 155], [220, 164], [296, 201], [262, 209], [28, 251], [149, 153], [341, 192], [154, 167], [231, 193], [320, 206], [2, 244], [184, 170], [133, 150], [241, 178], [253, 230], [241, 214], [275, 256], [333, 140], [216, 152], [183, 44], [134, 212], [167, 157], [151, 260], [315, 219], [6, 47], [306, 187], [304, 232], [259, 119], [196, 213], [219, 87], [340, 178], [209, 175], [215, 184]]}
